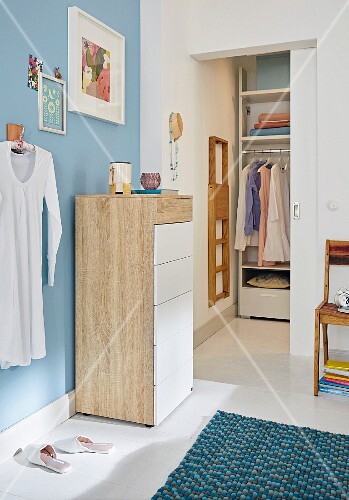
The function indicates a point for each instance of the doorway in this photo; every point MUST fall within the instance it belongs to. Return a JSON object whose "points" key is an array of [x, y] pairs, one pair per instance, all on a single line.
{"points": [[224, 354]]}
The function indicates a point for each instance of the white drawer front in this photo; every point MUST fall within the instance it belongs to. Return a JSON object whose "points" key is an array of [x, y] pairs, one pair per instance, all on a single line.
{"points": [[171, 393], [172, 317], [173, 241], [265, 303], [173, 354], [172, 279]]}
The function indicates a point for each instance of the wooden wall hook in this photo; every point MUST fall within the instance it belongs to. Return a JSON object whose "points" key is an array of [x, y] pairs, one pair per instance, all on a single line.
{"points": [[14, 131]]}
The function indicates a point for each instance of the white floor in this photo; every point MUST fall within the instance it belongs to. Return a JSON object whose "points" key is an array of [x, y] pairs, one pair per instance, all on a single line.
{"points": [[247, 371]]}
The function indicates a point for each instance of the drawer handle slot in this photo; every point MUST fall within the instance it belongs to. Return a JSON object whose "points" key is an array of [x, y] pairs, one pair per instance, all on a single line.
{"points": [[268, 295]]}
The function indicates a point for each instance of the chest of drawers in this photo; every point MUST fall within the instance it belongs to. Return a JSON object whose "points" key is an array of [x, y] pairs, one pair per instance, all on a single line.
{"points": [[134, 305]]}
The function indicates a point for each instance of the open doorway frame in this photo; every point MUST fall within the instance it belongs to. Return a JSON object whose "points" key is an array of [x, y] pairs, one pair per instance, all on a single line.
{"points": [[304, 186]]}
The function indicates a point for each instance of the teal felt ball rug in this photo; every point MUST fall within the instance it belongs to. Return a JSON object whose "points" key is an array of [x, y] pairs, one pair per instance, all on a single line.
{"points": [[244, 458]]}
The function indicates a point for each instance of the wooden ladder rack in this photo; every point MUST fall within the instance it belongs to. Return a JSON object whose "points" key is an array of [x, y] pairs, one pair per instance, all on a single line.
{"points": [[218, 210]]}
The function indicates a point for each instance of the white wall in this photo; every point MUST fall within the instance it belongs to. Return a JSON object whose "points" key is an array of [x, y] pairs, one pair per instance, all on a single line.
{"points": [[151, 102], [203, 94], [231, 24], [227, 25], [211, 29]]}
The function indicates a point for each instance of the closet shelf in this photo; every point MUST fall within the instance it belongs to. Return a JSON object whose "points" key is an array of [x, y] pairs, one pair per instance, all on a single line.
{"points": [[255, 301], [278, 267], [266, 139], [260, 96]]}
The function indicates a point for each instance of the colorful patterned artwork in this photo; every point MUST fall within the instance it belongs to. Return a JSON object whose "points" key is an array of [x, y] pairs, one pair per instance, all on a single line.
{"points": [[96, 60], [95, 70], [34, 67]]}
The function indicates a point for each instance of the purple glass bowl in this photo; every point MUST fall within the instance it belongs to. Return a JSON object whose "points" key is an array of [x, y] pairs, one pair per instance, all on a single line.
{"points": [[150, 180]]}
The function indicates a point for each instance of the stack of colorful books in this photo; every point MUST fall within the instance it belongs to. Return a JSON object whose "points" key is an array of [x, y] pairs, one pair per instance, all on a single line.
{"points": [[336, 378]]}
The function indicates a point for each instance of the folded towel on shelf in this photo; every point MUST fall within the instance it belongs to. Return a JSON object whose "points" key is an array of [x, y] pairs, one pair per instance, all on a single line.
{"points": [[282, 123], [275, 121], [270, 131], [274, 117]]}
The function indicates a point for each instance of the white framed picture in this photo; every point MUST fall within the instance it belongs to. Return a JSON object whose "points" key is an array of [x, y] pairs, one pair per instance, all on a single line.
{"points": [[96, 68], [51, 104]]}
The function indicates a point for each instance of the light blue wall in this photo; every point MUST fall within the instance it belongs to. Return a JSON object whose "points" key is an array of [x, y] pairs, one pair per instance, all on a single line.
{"points": [[81, 162], [273, 71]]}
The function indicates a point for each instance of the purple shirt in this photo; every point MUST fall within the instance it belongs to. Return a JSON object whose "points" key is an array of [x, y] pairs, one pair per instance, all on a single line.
{"points": [[253, 204]]}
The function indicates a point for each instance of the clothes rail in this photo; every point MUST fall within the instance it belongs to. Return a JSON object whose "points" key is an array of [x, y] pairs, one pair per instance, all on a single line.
{"points": [[264, 151]]}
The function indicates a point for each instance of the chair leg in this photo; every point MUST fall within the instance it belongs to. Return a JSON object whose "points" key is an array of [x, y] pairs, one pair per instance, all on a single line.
{"points": [[325, 339], [316, 353]]}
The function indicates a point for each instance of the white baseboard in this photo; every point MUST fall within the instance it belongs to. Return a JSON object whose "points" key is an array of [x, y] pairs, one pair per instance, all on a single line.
{"points": [[39, 423], [211, 327]]}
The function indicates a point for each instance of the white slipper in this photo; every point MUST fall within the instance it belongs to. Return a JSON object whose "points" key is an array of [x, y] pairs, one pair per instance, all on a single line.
{"points": [[45, 455], [81, 444]]}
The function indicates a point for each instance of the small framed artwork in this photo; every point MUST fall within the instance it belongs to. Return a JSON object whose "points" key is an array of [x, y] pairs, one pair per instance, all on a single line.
{"points": [[34, 68], [96, 68], [52, 104]]}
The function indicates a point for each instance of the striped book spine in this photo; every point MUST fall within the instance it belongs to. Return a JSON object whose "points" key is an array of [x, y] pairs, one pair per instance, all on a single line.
{"points": [[332, 390], [336, 381]]}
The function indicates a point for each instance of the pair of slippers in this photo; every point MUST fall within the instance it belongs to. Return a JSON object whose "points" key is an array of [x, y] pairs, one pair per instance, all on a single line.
{"points": [[46, 456]]}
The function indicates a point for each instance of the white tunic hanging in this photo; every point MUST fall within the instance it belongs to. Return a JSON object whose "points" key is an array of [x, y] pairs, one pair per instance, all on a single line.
{"points": [[25, 180], [277, 245]]}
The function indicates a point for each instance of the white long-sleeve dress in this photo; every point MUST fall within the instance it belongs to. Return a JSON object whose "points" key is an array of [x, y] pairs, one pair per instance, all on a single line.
{"points": [[277, 245], [25, 180]]}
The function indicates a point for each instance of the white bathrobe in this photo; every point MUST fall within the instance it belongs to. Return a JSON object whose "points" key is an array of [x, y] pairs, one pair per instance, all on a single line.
{"points": [[25, 180]]}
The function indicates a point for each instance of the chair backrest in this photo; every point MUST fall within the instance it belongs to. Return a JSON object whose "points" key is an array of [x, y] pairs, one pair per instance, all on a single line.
{"points": [[337, 254]]}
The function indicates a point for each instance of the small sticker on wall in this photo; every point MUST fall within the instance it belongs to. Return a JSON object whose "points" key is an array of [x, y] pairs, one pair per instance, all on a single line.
{"points": [[34, 67]]}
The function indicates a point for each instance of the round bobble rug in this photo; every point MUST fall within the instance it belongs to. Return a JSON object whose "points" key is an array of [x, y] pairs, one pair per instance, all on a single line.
{"points": [[245, 458]]}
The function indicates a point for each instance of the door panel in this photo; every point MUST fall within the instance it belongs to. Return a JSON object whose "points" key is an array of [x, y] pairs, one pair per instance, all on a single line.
{"points": [[304, 192]]}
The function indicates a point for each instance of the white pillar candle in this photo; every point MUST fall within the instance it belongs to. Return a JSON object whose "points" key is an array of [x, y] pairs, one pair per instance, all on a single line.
{"points": [[121, 173]]}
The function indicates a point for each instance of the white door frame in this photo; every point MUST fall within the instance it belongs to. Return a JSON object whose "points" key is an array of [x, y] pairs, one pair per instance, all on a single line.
{"points": [[303, 183]]}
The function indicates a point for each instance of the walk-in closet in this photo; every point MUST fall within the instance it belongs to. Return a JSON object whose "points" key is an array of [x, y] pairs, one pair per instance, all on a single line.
{"points": [[263, 212], [272, 176]]}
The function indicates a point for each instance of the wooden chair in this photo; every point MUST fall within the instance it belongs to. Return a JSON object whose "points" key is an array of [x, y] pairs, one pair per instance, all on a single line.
{"points": [[337, 253]]}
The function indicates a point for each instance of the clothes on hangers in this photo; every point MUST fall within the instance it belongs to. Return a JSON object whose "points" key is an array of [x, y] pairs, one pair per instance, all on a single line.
{"points": [[253, 204], [241, 239], [264, 203], [25, 180], [277, 245], [253, 210], [265, 174]]}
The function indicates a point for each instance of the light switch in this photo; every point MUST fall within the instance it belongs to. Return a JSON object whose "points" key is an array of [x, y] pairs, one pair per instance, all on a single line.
{"points": [[333, 205]]}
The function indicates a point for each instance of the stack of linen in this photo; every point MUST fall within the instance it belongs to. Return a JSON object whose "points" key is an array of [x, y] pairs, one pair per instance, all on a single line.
{"points": [[336, 378], [272, 124]]}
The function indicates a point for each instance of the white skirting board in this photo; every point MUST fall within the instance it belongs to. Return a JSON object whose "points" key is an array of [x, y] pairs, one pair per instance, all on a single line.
{"points": [[39, 423], [214, 325]]}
